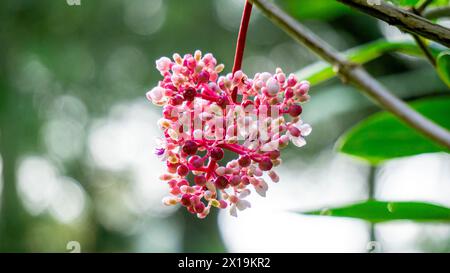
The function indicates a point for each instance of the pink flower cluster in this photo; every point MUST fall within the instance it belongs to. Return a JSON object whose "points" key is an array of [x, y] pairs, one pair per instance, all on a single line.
{"points": [[205, 114]]}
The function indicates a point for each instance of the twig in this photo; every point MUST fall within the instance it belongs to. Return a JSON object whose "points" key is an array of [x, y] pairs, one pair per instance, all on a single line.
{"points": [[423, 6], [424, 49], [355, 74], [403, 19], [418, 39], [438, 12]]}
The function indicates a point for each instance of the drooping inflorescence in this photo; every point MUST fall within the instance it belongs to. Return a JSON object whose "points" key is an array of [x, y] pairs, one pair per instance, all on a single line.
{"points": [[202, 120]]}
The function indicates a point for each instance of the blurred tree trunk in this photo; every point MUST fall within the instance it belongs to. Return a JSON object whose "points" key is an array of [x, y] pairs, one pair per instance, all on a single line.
{"points": [[201, 235], [12, 214]]}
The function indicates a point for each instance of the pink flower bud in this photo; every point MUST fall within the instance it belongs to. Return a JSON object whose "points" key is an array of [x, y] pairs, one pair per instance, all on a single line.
{"points": [[156, 94], [235, 180], [244, 161], [221, 182], [182, 170], [199, 208], [295, 110], [272, 87], [196, 161], [190, 147], [186, 200], [189, 94], [203, 77], [200, 180], [222, 204], [216, 153], [294, 131], [265, 164], [163, 64]]}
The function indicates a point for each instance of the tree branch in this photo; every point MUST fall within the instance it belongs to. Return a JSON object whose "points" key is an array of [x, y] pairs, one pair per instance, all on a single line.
{"points": [[423, 6], [424, 49], [403, 19], [438, 12], [355, 74], [418, 39]]}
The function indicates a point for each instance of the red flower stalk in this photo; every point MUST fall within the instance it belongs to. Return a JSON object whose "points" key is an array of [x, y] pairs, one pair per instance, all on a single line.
{"points": [[240, 46]]}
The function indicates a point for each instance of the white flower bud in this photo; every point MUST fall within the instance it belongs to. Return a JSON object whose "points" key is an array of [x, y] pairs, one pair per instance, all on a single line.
{"points": [[273, 87], [173, 135], [298, 141], [156, 94], [305, 129], [163, 64]]}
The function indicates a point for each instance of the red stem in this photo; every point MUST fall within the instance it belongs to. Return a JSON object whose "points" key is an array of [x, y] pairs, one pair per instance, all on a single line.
{"points": [[241, 42], [210, 168], [241, 151]]}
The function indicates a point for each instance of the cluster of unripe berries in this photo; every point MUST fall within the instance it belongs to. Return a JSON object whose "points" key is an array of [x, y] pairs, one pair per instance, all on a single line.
{"points": [[205, 115]]}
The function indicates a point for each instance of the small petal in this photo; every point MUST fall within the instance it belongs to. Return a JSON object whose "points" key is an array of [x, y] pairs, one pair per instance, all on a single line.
{"points": [[170, 201], [298, 141], [244, 193], [233, 211], [305, 129], [156, 94], [274, 176], [243, 204]]}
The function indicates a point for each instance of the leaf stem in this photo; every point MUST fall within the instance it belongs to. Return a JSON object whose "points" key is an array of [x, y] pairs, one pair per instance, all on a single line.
{"points": [[419, 10]]}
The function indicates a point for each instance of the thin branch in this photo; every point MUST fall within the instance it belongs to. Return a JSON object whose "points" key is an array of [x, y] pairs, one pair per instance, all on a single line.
{"points": [[424, 49], [355, 74], [403, 19], [418, 39], [423, 6], [438, 12]]}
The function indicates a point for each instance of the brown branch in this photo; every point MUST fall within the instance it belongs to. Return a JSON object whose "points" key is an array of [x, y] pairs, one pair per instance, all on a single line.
{"points": [[403, 19], [424, 49], [418, 39], [438, 12], [355, 74]]}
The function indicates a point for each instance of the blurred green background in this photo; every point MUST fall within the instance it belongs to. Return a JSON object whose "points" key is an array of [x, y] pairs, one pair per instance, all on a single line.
{"points": [[77, 133]]}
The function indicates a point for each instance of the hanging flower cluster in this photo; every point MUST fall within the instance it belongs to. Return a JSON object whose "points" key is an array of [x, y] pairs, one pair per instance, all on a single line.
{"points": [[205, 114]]}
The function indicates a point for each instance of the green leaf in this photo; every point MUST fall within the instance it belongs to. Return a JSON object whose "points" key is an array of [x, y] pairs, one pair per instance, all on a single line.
{"points": [[406, 2], [443, 66], [382, 136], [439, 3], [321, 71], [381, 211], [317, 9], [417, 3]]}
